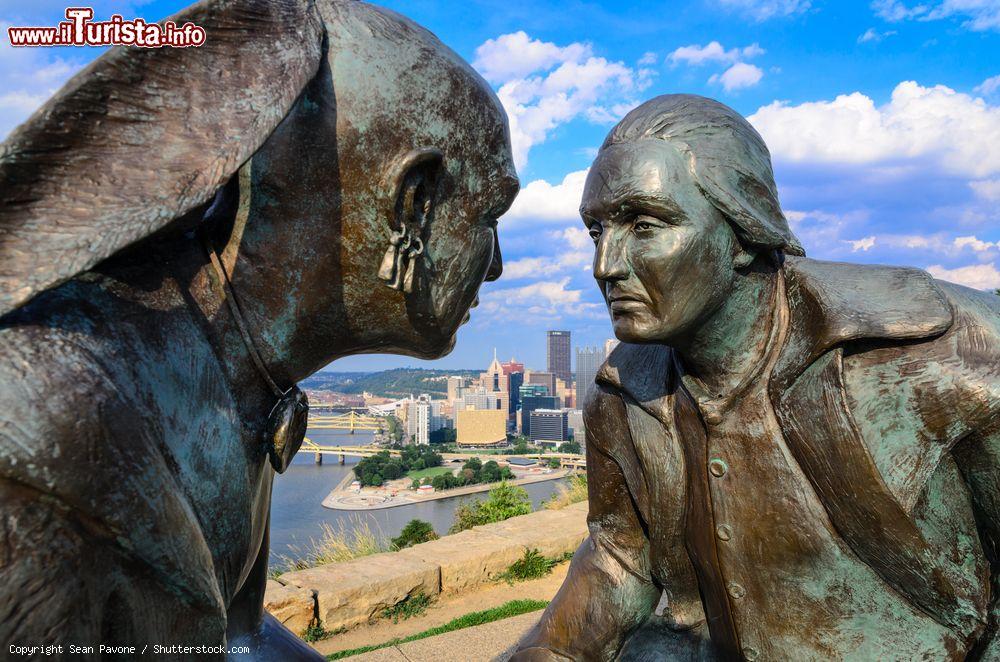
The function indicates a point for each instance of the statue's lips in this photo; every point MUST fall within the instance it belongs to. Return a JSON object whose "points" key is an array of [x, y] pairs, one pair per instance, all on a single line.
{"points": [[468, 313], [625, 303]]}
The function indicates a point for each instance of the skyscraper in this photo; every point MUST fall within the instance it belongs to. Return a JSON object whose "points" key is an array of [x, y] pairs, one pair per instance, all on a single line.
{"points": [[557, 355], [515, 377], [588, 361], [530, 403]]}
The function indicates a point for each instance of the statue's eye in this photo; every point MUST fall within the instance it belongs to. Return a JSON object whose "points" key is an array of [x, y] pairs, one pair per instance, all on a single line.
{"points": [[595, 231]]}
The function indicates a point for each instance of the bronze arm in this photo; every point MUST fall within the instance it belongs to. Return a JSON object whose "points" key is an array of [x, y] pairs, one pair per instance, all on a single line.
{"points": [[609, 590], [978, 458]]}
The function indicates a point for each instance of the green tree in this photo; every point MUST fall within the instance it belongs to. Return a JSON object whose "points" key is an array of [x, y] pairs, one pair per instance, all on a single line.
{"points": [[415, 484], [569, 447], [490, 473], [393, 469], [414, 533], [554, 463], [504, 501]]}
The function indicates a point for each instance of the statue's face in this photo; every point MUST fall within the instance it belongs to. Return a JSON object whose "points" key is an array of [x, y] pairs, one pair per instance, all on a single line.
{"points": [[664, 254], [462, 245]]}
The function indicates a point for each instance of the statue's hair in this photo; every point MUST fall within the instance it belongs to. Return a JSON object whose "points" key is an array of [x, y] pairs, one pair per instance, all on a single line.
{"points": [[728, 160]]}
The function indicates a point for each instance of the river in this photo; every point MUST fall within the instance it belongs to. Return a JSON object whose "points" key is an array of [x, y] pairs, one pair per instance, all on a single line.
{"points": [[297, 513]]}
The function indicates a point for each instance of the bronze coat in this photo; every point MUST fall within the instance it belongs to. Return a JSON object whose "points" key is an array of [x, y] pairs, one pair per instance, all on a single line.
{"points": [[886, 391]]}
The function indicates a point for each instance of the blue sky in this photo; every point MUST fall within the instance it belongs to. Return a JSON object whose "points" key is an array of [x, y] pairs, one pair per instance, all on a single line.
{"points": [[883, 120]]}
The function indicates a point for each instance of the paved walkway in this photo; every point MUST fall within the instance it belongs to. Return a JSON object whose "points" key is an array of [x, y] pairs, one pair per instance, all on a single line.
{"points": [[484, 643]]}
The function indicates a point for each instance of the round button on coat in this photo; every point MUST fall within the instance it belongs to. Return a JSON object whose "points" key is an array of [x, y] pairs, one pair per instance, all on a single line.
{"points": [[717, 468], [724, 531]]}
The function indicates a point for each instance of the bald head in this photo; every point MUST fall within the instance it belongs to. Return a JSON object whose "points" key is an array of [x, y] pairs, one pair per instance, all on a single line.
{"points": [[395, 136], [398, 87]]}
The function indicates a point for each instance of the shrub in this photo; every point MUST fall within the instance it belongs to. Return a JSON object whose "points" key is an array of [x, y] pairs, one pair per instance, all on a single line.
{"points": [[335, 545], [316, 632], [415, 484], [504, 501], [554, 463], [411, 606], [414, 533], [530, 566], [572, 491]]}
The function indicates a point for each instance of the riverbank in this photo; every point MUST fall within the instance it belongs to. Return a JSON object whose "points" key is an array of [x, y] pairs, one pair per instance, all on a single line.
{"points": [[343, 497]]}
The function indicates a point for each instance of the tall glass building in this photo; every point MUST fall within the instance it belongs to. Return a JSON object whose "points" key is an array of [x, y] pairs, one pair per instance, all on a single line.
{"points": [[588, 361]]}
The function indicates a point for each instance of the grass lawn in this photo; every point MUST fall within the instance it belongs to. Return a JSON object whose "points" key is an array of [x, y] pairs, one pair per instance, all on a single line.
{"points": [[433, 471], [512, 608]]}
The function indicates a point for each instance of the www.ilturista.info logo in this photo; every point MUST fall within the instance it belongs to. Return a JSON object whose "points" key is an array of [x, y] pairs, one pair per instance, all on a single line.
{"points": [[80, 30]]}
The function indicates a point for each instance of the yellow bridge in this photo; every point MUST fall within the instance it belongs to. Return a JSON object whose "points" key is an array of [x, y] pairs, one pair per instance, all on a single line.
{"points": [[350, 421]]}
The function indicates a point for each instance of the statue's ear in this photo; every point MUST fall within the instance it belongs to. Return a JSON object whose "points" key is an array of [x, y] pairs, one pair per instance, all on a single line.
{"points": [[142, 136], [413, 186]]}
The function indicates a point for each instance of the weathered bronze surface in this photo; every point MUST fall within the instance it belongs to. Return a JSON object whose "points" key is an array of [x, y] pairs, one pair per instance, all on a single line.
{"points": [[788, 459], [135, 437]]}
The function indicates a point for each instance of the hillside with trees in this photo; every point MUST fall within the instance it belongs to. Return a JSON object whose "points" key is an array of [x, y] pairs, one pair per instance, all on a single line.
{"points": [[397, 383]]}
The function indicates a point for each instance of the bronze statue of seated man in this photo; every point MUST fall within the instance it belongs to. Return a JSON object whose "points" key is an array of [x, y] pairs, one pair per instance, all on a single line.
{"points": [[788, 459], [184, 235]]}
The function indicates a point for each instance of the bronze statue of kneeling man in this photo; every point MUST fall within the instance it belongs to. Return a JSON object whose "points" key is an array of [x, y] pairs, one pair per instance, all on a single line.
{"points": [[185, 234], [788, 459]]}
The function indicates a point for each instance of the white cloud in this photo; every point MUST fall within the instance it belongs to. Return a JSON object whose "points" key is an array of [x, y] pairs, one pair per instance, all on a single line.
{"points": [[987, 189], [579, 239], [536, 267], [28, 76], [516, 55], [974, 243], [979, 276], [547, 298], [541, 201], [712, 52], [873, 35], [956, 130], [762, 10], [738, 76], [988, 87], [862, 244], [648, 59], [978, 15], [542, 86]]}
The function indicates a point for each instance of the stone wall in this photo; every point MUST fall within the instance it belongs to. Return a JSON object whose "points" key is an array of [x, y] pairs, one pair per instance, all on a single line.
{"points": [[340, 595]]}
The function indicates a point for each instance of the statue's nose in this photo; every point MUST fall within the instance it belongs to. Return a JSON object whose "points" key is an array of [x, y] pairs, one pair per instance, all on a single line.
{"points": [[609, 259]]}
